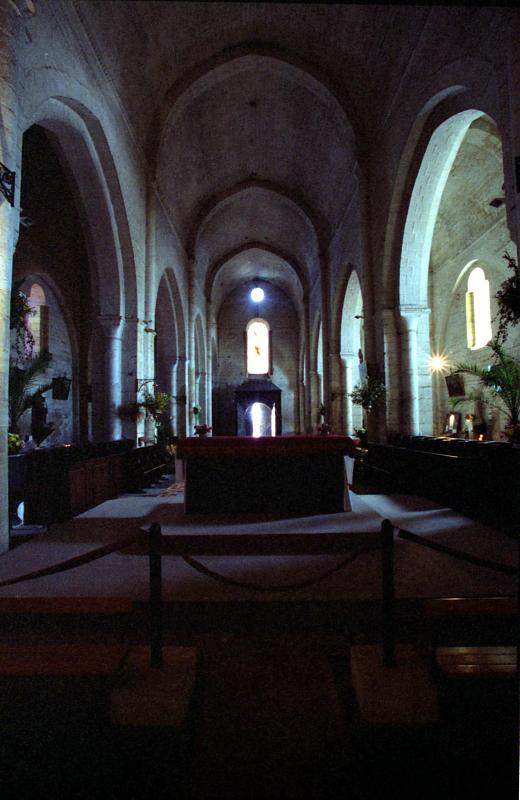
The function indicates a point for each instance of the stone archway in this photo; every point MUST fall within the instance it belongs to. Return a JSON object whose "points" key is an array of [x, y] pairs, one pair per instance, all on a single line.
{"points": [[414, 310], [85, 150]]}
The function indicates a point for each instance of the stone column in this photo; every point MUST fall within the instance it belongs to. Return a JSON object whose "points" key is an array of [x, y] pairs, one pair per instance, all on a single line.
{"points": [[106, 377], [191, 388], [10, 144], [149, 342], [325, 333], [209, 365], [314, 385], [180, 395], [391, 366], [202, 378], [337, 382], [131, 362], [308, 425], [410, 317]]}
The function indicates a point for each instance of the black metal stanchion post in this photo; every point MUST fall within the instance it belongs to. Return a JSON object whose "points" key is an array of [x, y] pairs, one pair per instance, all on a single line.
{"points": [[156, 604], [387, 559]]}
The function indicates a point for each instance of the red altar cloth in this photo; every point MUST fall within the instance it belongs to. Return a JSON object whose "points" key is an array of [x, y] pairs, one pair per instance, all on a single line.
{"points": [[281, 474]]}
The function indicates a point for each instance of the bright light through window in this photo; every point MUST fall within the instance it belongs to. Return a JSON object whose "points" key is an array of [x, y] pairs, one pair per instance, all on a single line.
{"points": [[257, 294], [256, 418], [478, 310], [258, 347]]}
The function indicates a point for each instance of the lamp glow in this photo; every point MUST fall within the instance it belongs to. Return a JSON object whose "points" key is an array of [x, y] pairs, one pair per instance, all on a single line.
{"points": [[438, 362], [257, 294]]}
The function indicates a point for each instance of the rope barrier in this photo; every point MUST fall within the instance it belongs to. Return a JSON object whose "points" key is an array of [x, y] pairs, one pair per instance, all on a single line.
{"points": [[77, 561], [196, 565], [442, 548]]}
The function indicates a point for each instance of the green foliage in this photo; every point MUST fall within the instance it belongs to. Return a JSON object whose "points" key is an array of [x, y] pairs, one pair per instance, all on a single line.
{"points": [[20, 311], [368, 393], [155, 405], [508, 299], [22, 382], [499, 383], [14, 443]]}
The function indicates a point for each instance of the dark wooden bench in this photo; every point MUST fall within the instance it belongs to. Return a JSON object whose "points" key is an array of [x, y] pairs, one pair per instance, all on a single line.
{"points": [[477, 662]]}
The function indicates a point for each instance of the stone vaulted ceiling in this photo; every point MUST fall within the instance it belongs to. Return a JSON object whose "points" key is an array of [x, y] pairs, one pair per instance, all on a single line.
{"points": [[252, 116]]}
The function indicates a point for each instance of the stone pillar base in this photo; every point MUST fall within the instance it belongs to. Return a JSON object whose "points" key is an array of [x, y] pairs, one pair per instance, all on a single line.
{"points": [[400, 695], [147, 696]]}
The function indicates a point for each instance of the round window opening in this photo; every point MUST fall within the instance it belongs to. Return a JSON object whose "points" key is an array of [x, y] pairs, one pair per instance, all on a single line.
{"points": [[257, 294]]}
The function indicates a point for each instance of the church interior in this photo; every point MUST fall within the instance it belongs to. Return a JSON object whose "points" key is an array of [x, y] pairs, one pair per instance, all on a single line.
{"points": [[259, 399]]}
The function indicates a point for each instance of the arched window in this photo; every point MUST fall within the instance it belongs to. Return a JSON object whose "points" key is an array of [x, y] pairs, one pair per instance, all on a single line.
{"points": [[258, 357], [478, 310], [39, 319]]}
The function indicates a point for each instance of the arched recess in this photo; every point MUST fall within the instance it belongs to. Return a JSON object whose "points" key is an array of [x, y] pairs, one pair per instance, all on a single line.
{"points": [[351, 345], [166, 347], [416, 383], [86, 155], [53, 328], [171, 349]]}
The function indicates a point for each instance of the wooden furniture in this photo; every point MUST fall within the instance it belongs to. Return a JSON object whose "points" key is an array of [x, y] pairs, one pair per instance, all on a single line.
{"points": [[301, 475], [62, 482], [477, 662], [480, 479]]}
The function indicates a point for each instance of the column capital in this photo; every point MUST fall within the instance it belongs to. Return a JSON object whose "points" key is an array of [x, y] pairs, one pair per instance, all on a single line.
{"points": [[409, 310], [409, 316]]}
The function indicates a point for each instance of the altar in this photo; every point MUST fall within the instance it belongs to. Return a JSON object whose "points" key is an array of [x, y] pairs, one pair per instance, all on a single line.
{"points": [[302, 475]]}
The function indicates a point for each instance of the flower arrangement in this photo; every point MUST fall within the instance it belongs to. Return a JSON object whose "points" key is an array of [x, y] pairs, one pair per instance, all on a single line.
{"points": [[508, 299], [324, 429], [202, 430], [155, 404]]}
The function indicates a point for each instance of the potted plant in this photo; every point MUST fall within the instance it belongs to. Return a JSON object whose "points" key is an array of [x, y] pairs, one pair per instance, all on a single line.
{"points": [[22, 381], [508, 299], [499, 387], [156, 404], [368, 393]]}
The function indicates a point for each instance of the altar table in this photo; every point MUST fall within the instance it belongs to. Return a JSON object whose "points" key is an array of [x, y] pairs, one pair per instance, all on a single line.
{"points": [[302, 475]]}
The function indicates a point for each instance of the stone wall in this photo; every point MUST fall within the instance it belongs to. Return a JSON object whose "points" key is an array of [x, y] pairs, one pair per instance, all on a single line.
{"points": [[278, 311]]}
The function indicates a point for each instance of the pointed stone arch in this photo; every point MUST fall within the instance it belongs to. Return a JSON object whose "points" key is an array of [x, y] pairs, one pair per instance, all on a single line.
{"points": [[87, 156]]}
